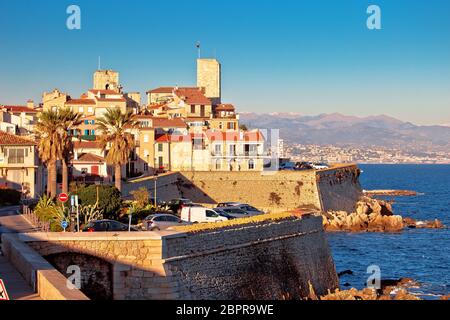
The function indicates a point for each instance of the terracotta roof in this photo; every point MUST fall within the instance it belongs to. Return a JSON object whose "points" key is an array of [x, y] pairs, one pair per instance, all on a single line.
{"points": [[19, 109], [89, 157], [164, 138], [7, 139], [81, 102], [109, 92], [162, 90], [249, 136], [193, 96], [225, 107], [111, 99], [168, 123], [86, 145]]}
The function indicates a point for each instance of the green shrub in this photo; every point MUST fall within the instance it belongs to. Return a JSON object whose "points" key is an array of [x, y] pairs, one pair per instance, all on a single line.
{"points": [[109, 199], [9, 197]]}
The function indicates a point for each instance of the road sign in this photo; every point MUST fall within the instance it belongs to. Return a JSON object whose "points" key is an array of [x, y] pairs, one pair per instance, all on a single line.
{"points": [[64, 224], [3, 293], [63, 197]]}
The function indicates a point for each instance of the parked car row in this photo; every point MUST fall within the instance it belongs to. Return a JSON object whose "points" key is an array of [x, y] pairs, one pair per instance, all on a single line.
{"points": [[303, 166], [180, 212]]}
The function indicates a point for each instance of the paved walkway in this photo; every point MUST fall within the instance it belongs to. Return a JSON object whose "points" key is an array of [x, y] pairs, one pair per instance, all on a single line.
{"points": [[16, 286]]}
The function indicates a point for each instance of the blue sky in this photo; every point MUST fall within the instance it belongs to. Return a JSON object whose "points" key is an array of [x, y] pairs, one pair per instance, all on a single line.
{"points": [[308, 57]]}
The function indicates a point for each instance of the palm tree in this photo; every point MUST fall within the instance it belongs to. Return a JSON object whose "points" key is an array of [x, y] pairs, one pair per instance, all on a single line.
{"points": [[68, 120], [115, 133], [47, 135]]}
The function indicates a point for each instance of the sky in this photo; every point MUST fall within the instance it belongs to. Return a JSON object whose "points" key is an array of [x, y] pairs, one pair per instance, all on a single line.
{"points": [[307, 57]]}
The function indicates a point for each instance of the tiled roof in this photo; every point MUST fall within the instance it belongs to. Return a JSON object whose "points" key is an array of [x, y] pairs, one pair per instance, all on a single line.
{"points": [[193, 96], [225, 107], [86, 145], [111, 99], [19, 109], [109, 92], [248, 136], [81, 102], [168, 123], [162, 90], [7, 139], [89, 157]]}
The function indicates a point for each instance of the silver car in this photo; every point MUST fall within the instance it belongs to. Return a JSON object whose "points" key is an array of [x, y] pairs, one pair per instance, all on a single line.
{"points": [[161, 221], [250, 210]]}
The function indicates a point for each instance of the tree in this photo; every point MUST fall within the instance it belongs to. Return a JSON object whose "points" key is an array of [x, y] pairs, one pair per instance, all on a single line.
{"points": [[115, 134], [69, 120], [109, 199], [243, 127], [49, 145]]}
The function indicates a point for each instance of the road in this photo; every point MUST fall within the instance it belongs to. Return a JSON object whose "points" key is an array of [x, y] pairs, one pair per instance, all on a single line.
{"points": [[16, 286]]}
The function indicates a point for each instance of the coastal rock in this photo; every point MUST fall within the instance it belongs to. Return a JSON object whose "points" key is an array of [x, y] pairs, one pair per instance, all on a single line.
{"points": [[412, 223], [370, 215]]}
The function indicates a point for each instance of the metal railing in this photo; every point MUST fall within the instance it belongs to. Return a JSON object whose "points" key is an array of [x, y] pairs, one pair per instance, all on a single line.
{"points": [[43, 226]]}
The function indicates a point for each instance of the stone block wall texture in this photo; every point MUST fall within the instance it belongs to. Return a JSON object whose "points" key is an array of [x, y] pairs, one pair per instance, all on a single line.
{"points": [[275, 260], [335, 189], [228, 264]]}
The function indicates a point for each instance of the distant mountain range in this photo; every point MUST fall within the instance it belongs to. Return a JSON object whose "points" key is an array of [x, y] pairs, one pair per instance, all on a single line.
{"points": [[339, 129]]}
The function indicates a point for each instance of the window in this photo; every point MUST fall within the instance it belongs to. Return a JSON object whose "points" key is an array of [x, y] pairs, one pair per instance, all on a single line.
{"points": [[220, 125], [92, 132], [160, 147], [86, 121], [90, 110], [211, 214], [218, 165], [80, 110], [193, 108], [145, 167], [92, 121], [84, 171], [146, 138], [231, 126], [251, 164], [198, 144], [160, 162], [232, 149], [217, 149], [86, 132], [17, 156]]}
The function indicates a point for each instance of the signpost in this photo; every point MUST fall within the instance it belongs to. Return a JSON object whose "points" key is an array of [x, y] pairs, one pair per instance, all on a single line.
{"points": [[63, 197], [74, 205], [3, 293], [64, 225]]}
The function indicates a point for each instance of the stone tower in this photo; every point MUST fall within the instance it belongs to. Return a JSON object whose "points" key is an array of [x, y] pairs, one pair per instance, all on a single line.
{"points": [[106, 80], [209, 77]]}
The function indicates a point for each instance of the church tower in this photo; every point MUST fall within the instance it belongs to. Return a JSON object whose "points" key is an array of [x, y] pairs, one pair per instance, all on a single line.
{"points": [[209, 77]]}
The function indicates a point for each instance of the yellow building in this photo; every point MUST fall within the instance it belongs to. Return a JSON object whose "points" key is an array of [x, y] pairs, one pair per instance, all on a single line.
{"points": [[20, 168], [209, 78]]}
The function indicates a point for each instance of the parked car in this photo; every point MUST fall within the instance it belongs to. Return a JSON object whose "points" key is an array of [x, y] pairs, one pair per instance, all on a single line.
{"points": [[200, 215], [303, 166], [227, 204], [106, 226], [175, 205], [320, 166], [250, 210], [161, 221], [234, 212], [224, 214], [287, 166]]}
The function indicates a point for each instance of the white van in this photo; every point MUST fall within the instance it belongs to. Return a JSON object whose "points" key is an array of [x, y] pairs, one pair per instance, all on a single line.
{"points": [[200, 215]]}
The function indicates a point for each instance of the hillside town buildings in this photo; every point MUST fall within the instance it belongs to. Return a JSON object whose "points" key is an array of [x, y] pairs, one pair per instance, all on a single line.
{"points": [[180, 129]]}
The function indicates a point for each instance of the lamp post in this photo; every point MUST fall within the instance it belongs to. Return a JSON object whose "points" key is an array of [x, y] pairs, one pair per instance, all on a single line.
{"points": [[155, 179]]}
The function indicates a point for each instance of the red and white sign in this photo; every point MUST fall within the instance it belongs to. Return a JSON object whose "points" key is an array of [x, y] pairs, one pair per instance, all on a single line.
{"points": [[3, 293], [63, 197]]}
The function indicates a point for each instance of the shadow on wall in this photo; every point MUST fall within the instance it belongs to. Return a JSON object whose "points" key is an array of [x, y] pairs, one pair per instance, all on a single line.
{"points": [[96, 273]]}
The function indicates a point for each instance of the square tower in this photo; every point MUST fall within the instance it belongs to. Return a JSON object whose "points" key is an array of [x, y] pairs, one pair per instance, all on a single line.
{"points": [[209, 77], [106, 80]]}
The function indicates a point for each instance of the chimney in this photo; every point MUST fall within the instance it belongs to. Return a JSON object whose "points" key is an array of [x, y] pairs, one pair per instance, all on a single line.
{"points": [[30, 104]]}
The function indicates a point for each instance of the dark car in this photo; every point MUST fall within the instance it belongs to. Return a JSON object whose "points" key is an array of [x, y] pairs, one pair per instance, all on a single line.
{"points": [[303, 166], [223, 213], [176, 205], [106, 226]]}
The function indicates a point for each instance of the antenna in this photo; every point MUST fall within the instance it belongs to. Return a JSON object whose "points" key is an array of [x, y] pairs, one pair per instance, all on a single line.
{"points": [[198, 49]]}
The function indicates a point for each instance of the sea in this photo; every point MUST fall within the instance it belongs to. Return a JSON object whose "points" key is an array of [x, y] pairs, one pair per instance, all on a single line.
{"points": [[420, 254]]}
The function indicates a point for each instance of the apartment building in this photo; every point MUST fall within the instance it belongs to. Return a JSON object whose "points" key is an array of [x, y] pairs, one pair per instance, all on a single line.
{"points": [[20, 167]]}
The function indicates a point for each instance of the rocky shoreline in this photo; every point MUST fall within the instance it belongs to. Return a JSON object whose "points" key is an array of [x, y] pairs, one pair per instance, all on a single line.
{"points": [[372, 215]]}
